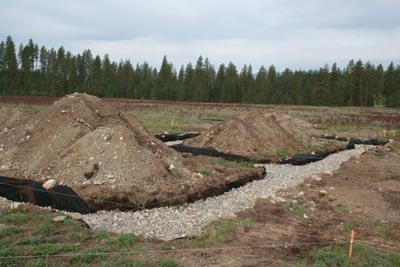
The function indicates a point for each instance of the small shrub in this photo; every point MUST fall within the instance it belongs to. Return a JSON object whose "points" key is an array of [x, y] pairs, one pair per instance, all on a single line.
{"points": [[140, 263], [295, 208]]}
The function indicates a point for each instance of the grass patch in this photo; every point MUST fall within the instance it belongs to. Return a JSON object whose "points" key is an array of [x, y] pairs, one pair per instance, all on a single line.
{"points": [[46, 229], [122, 241], [76, 236], [90, 255], [123, 263], [205, 172], [44, 249], [16, 218], [9, 230], [227, 163], [29, 240], [161, 262], [295, 208], [362, 257], [102, 234]]}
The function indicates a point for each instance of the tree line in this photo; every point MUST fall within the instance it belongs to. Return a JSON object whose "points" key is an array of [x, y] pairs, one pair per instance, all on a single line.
{"points": [[33, 71]]}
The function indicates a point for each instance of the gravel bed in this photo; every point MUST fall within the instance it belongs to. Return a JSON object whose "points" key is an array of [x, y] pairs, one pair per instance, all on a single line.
{"points": [[168, 223]]}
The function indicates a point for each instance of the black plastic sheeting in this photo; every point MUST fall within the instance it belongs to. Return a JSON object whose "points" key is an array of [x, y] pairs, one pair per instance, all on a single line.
{"points": [[167, 137], [209, 151], [373, 141], [59, 197]]}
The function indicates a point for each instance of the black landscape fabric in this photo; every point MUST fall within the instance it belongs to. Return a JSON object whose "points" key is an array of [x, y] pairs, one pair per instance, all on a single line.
{"points": [[59, 197]]}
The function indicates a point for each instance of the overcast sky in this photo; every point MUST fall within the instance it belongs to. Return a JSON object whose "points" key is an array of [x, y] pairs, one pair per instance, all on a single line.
{"points": [[287, 33]]}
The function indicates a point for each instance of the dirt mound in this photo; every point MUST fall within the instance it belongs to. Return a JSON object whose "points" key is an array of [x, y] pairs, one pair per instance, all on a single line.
{"points": [[256, 135], [87, 144]]}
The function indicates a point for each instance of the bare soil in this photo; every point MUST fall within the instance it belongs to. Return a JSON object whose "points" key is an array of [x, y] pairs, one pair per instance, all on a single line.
{"points": [[257, 135], [103, 154]]}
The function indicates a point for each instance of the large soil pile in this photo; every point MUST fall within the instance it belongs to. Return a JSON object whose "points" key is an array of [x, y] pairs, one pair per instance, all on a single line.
{"points": [[256, 135], [85, 143]]}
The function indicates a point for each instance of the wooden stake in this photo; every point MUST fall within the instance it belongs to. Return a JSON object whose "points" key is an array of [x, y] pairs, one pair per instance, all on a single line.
{"points": [[172, 123], [351, 244]]}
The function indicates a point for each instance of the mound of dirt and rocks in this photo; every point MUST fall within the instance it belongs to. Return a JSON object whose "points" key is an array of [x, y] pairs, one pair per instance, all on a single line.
{"points": [[257, 135], [104, 155]]}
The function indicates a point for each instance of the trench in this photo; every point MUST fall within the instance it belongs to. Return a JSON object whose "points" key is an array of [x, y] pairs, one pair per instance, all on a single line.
{"points": [[65, 198]]}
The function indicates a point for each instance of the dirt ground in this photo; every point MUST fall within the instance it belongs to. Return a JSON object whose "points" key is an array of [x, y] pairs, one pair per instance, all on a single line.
{"points": [[257, 135], [363, 195]]}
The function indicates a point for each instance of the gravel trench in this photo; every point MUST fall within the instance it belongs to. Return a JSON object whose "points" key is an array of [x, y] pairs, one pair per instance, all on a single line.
{"points": [[168, 223]]}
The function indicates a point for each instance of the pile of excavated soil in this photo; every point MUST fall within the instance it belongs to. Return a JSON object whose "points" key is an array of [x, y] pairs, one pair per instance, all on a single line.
{"points": [[85, 143], [256, 135]]}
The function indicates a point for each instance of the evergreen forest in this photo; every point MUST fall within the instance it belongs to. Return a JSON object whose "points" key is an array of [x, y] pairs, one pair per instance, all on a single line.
{"points": [[30, 70]]}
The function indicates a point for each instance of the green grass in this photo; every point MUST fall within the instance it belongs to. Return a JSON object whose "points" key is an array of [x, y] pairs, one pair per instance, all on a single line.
{"points": [[295, 208], [77, 236], [90, 255], [161, 262], [205, 172], [122, 241], [46, 229], [227, 163], [9, 230], [44, 249], [337, 256]]}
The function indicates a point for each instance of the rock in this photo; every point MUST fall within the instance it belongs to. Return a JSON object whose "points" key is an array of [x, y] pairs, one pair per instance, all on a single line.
{"points": [[280, 200], [305, 216], [316, 178], [60, 218], [14, 205], [294, 201], [380, 189], [171, 167], [300, 194], [322, 193], [98, 182], [49, 184], [310, 203], [76, 216], [110, 176], [63, 111], [329, 173], [87, 182]]}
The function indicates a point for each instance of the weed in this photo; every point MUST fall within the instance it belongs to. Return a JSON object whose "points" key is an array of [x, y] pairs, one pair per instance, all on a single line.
{"points": [[161, 262], [140, 263], [38, 263], [362, 257], [77, 236], [343, 210], [295, 208], [46, 229], [30, 240], [44, 249], [165, 247], [124, 240], [283, 153], [16, 219], [51, 239], [9, 230], [89, 255], [241, 164], [68, 248], [205, 172], [102, 234], [123, 263], [302, 186]]}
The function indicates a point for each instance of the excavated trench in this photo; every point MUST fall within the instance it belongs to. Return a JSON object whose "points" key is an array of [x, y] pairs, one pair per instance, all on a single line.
{"points": [[64, 198]]}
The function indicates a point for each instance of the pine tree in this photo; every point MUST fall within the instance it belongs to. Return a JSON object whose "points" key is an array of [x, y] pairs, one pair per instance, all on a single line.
{"points": [[230, 92], [260, 87], [11, 66]]}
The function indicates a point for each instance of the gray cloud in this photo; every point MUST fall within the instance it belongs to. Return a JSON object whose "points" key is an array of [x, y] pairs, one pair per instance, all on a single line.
{"points": [[287, 33]]}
